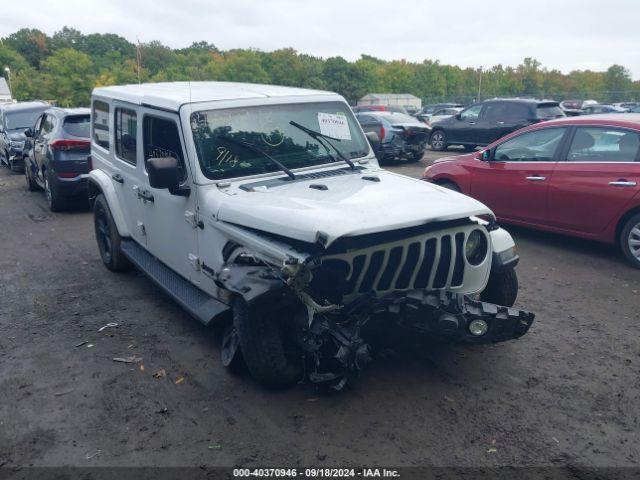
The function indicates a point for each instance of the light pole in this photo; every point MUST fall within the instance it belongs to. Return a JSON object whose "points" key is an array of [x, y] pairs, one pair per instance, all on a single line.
{"points": [[8, 70]]}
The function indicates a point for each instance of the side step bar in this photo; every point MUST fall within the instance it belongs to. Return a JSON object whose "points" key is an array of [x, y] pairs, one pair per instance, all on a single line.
{"points": [[199, 304]]}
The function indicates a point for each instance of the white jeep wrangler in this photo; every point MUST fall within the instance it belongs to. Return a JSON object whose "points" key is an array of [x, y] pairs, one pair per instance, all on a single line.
{"points": [[263, 208]]}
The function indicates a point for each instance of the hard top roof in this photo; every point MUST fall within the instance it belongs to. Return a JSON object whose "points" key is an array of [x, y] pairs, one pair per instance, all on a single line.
{"points": [[70, 111], [172, 95], [24, 105]]}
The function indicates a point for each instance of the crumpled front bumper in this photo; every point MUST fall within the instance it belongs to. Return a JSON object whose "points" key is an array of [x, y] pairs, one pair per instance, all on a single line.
{"points": [[445, 314]]}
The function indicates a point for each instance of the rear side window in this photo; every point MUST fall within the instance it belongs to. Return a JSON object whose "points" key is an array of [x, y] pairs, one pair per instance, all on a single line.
{"points": [[48, 124], [536, 146], [126, 134], [101, 124], [549, 111], [494, 112], [604, 145], [77, 125], [518, 111]]}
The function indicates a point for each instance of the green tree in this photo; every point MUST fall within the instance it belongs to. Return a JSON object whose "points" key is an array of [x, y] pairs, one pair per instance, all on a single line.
{"points": [[68, 77], [31, 43], [618, 83]]}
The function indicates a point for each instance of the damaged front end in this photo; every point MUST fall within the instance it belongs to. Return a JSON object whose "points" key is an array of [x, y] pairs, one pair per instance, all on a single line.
{"points": [[326, 299]]}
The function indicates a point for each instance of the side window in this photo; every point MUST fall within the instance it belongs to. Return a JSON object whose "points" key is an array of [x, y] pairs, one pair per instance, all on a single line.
{"points": [[161, 139], [47, 124], [518, 111], [471, 114], [593, 144], [536, 146], [126, 126], [494, 112], [100, 118]]}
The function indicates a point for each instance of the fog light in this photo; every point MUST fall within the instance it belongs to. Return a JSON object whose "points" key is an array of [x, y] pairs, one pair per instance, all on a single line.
{"points": [[478, 327]]}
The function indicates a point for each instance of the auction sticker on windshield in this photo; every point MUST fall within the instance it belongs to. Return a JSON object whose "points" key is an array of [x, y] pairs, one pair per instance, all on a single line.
{"points": [[335, 126]]}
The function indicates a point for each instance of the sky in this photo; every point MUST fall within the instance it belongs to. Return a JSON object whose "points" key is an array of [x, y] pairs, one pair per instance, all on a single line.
{"points": [[562, 34]]}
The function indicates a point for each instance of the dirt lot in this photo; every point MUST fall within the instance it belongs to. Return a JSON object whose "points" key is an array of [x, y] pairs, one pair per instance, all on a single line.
{"points": [[566, 393]]}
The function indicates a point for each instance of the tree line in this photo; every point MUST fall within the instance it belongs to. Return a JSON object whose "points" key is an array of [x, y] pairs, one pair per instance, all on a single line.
{"points": [[67, 65]]}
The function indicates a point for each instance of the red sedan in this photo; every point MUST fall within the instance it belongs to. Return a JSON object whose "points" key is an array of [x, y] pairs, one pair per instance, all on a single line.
{"points": [[577, 176]]}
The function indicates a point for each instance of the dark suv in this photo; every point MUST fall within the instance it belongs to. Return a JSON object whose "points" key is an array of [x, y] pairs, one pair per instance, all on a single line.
{"points": [[485, 122], [57, 155], [15, 118]]}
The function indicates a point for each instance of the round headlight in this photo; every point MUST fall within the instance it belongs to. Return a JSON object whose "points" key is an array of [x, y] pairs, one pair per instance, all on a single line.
{"points": [[476, 247], [478, 327]]}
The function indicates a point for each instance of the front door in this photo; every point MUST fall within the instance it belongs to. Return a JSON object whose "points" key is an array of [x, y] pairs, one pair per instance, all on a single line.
{"points": [[596, 179], [515, 182], [462, 128], [169, 220]]}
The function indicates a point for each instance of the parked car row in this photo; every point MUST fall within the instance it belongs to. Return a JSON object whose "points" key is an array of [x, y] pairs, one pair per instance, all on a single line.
{"points": [[578, 176]]}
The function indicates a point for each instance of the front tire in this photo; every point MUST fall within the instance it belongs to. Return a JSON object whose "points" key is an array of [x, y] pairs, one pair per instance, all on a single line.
{"points": [[262, 344], [502, 288], [438, 141], [449, 185], [108, 238], [630, 240]]}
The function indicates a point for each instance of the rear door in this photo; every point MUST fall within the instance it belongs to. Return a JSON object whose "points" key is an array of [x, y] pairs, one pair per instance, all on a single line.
{"points": [[597, 177], [514, 184], [41, 142]]}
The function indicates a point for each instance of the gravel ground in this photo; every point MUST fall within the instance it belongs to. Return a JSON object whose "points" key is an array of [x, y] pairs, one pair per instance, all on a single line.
{"points": [[565, 394]]}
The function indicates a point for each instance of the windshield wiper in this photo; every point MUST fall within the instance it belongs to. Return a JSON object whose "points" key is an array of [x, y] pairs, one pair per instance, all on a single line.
{"points": [[259, 151], [319, 137]]}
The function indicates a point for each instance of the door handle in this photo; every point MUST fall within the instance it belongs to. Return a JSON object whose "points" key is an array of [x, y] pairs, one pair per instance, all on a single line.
{"points": [[117, 178], [145, 195], [472, 123], [536, 178], [622, 183], [500, 123]]}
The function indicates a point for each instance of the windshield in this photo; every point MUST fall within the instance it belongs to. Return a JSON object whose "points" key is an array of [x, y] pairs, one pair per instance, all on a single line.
{"points": [[21, 120], [268, 129]]}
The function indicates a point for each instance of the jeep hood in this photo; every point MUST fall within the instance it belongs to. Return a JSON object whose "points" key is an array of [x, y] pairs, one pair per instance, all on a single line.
{"points": [[350, 205]]}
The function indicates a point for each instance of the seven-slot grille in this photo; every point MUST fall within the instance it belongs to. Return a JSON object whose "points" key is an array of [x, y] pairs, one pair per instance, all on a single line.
{"points": [[431, 262]]}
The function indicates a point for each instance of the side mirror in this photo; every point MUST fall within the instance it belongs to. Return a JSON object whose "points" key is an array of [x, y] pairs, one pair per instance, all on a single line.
{"points": [[28, 133], [485, 155], [457, 116], [374, 140], [164, 173]]}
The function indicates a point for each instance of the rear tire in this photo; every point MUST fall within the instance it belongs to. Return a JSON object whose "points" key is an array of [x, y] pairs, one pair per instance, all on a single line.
{"points": [[262, 344], [630, 240], [438, 141], [55, 199], [108, 238], [416, 157], [502, 288], [32, 186]]}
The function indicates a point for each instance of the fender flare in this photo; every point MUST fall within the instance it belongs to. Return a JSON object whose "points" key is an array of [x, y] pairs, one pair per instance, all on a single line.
{"points": [[99, 182]]}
